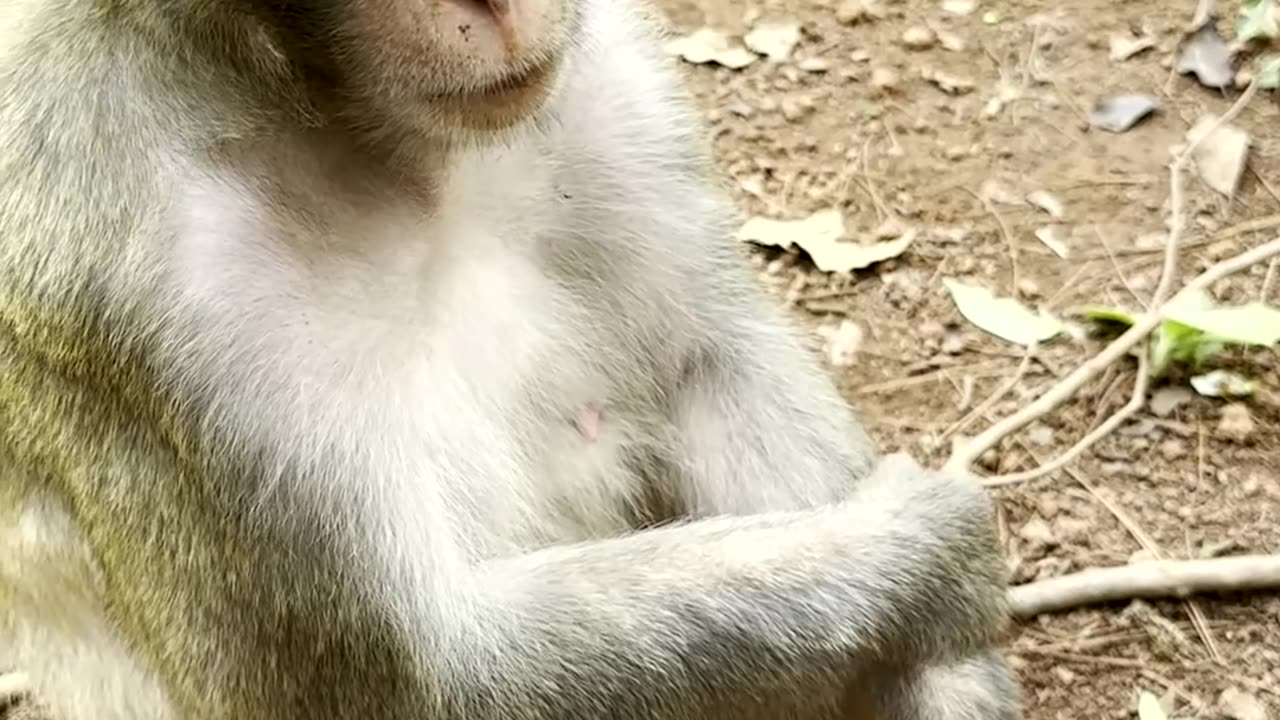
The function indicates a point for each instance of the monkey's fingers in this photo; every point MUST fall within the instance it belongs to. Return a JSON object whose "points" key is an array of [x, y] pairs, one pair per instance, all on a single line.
{"points": [[14, 686]]}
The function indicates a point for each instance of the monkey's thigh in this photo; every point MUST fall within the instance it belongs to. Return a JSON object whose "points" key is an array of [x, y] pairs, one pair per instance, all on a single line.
{"points": [[981, 687], [52, 625]]}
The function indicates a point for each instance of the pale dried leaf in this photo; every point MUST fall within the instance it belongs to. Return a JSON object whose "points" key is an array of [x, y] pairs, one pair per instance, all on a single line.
{"points": [[1120, 113], [1221, 154], [821, 236], [1125, 45], [1223, 384], [1052, 239], [1269, 72], [1206, 56], [709, 45], [1047, 202], [1003, 317], [1259, 20], [774, 40], [1149, 707]]}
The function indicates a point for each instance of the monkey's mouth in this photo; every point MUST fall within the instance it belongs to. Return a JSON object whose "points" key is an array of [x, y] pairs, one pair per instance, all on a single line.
{"points": [[526, 81]]}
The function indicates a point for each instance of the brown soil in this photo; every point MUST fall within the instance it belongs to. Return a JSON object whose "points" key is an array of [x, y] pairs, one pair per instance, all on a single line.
{"points": [[921, 155]]}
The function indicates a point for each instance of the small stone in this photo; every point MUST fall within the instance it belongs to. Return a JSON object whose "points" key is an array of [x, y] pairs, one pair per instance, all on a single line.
{"points": [[1173, 449], [1037, 532], [1240, 705], [794, 109], [951, 42], [953, 342], [852, 12], [1168, 398], [883, 78], [814, 65], [843, 342], [1236, 422], [959, 7], [919, 37], [1040, 435]]}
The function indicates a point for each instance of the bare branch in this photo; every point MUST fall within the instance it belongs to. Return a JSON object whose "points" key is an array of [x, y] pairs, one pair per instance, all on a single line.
{"points": [[1152, 579]]}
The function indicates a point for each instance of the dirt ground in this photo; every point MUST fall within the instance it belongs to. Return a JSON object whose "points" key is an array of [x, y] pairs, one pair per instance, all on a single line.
{"points": [[862, 130]]}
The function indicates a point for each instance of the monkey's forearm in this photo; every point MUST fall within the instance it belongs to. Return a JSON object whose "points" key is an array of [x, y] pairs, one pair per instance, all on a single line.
{"points": [[724, 608]]}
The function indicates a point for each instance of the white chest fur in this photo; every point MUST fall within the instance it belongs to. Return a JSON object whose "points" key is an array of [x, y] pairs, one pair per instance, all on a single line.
{"points": [[388, 356]]}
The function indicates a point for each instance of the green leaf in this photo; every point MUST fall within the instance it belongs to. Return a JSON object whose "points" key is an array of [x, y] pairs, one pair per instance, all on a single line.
{"points": [[1251, 324], [1003, 317], [1108, 314], [1259, 19], [1269, 72], [1149, 707]]}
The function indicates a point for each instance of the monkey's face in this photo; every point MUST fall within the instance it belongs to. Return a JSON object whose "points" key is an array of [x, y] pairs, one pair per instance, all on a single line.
{"points": [[444, 66]]}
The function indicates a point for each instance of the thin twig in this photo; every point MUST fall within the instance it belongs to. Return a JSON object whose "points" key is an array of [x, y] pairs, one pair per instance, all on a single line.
{"points": [[1151, 579], [1148, 543], [1270, 277], [1008, 237], [1136, 402], [994, 397], [1115, 265]]}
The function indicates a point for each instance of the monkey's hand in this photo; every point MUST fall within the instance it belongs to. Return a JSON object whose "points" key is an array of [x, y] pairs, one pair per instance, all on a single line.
{"points": [[15, 699]]}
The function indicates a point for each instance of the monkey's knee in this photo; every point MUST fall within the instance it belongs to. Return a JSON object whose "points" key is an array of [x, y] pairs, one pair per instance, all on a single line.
{"points": [[981, 687]]}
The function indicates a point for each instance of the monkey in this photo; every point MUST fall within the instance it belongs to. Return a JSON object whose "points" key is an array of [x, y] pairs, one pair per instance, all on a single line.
{"points": [[389, 359]]}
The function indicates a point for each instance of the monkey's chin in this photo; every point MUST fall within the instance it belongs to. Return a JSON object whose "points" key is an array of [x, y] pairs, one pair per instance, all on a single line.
{"points": [[501, 105]]}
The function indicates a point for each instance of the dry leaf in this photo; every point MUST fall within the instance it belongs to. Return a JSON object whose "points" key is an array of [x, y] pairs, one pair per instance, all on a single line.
{"points": [[710, 46], [1120, 113], [1003, 317], [1207, 57], [821, 236], [1125, 45], [1052, 239], [774, 40], [1221, 154], [1047, 202]]}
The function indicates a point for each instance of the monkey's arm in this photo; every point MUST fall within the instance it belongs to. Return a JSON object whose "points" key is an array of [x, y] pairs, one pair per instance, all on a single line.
{"points": [[768, 609]]}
